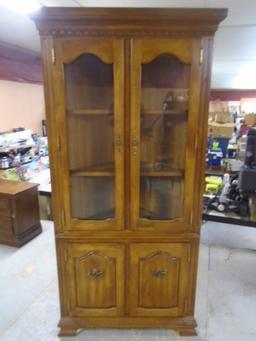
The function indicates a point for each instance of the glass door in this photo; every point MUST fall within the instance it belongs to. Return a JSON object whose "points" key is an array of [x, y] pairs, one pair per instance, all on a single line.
{"points": [[164, 104], [92, 134]]}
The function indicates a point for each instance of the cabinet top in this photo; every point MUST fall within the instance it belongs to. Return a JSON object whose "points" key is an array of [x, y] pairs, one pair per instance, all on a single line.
{"points": [[75, 21], [14, 187]]}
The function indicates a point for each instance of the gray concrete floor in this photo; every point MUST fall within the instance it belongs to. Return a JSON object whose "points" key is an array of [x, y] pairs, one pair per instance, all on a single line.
{"points": [[226, 291]]}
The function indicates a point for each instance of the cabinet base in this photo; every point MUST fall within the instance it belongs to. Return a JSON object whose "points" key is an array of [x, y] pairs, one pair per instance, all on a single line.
{"points": [[21, 239], [185, 326]]}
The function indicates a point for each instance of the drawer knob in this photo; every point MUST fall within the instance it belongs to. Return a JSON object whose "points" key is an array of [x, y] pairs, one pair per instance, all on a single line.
{"points": [[94, 273], [159, 273]]}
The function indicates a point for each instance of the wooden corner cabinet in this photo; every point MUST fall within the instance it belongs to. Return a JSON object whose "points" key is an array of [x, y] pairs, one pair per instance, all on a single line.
{"points": [[127, 100]]}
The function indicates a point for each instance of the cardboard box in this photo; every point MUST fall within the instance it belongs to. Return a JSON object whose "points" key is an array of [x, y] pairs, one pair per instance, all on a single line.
{"points": [[216, 107], [250, 119], [223, 118], [224, 130], [219, 112], [220, 117]]}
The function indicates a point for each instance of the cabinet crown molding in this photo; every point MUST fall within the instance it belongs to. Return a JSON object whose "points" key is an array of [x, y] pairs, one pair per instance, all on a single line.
{"points": [[59, 21]]}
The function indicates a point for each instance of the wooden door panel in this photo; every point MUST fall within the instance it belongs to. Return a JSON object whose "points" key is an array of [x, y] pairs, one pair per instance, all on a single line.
{"points": [[159, 279], [165, 93], [96, 279], [70, 49], [153, 47]]}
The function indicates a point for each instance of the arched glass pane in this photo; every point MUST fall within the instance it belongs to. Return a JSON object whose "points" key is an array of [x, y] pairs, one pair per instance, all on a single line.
{"points": [[164, 115], [90, 121]]}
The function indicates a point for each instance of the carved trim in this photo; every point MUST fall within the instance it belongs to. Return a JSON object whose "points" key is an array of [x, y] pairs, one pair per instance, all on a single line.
{"points": [[128, 21], [79, 33], [160, 253], [94, 253]]}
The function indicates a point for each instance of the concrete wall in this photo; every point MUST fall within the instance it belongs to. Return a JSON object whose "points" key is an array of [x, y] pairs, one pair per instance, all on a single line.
{"points": [[21, 105]]}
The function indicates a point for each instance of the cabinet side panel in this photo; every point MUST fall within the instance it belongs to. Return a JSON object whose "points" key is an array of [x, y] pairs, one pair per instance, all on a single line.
{"points": [[48, 60], [206, 45], [27, 210]]}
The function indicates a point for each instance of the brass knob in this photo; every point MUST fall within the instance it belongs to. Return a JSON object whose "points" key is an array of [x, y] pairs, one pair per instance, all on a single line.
{"points": [[94, 273]]}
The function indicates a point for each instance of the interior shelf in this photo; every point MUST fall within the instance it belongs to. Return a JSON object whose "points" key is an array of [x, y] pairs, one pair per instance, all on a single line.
{"points": [[160, 169], [170, 173], [147, 214], [81, 112], [164, 112], [108, 214], [106, 169]]}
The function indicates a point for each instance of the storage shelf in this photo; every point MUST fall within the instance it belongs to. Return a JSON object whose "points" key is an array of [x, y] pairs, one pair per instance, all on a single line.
{"points": [[97, 170], [91, 173], [164, 112], [164, 173], [147, 214], [109, 214], [84, 112], [160, 169]]}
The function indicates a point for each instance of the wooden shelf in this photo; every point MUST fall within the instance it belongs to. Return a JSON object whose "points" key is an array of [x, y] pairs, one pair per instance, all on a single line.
{"points": [[227, 219], [164, 112], [97, 170], [82, 112], [219, 171], [163, 173], [147, 214], [91, 173], [109, 214]]}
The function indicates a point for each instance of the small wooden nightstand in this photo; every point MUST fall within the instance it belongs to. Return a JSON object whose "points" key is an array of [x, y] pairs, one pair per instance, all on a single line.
{"points": [[19, 212]]}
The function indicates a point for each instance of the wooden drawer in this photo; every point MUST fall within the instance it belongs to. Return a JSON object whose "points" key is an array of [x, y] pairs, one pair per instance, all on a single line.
{"points": [[158, 279], [5, 207], [95, 279]]}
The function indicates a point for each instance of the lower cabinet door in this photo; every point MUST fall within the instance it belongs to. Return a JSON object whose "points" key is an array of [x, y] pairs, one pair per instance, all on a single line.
{"points": [[95, 279], [158, 276]]}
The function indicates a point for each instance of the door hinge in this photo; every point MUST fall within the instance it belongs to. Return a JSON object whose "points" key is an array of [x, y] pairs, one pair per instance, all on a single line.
{"points": [[53, 55], [201, 59]]}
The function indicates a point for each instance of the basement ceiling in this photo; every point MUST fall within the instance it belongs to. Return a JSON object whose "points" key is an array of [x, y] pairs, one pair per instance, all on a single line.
{"points": [[234, 61]]}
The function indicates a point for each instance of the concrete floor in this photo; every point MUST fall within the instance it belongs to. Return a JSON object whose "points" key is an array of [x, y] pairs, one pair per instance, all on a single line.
{"points": [[226, 294]]}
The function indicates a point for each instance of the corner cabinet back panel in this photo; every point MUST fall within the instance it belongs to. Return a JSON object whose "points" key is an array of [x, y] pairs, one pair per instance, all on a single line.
{"points": [[126, 94]]}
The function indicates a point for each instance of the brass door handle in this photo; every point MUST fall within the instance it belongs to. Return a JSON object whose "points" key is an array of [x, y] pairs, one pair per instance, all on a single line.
{"points": [[135, 143], [159, 273], [94, 273], [119, 143]]}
